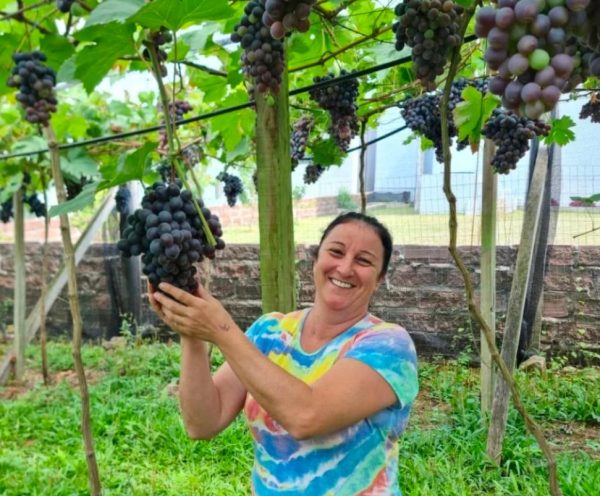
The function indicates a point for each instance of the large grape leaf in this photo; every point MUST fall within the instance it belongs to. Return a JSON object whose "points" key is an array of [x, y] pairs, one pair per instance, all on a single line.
{"points": [[113, 10], [326, 152], [174, 14], [129, 167], [82, 200], [473, 112], [9, 43], [108, 43], [78, 163], [561, 132], [57, 49]]}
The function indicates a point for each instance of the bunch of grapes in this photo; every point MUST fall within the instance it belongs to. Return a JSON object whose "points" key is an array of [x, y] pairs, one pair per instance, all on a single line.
{"points": [[312, 173], [232, 187], [281, 16], [534, 47], [339, 100], [263, 54], [75, 186], [511, 134], [157, 39], [177, 109], [591, 109], [168, 233], [36, 84], [37, 207], [123, 199], [64, 5], [430, 28], [300, 132], [6, 211]]}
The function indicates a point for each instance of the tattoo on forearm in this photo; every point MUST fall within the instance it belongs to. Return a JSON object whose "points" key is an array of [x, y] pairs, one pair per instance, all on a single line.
{"points": [[224, 327]]}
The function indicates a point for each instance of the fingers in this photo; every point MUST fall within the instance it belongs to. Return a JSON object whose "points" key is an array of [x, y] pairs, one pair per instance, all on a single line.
{"points": [[176, 293], [202, 292]]}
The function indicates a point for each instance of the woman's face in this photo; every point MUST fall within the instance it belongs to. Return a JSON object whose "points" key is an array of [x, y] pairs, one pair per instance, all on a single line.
{"points": [[346, 271]]}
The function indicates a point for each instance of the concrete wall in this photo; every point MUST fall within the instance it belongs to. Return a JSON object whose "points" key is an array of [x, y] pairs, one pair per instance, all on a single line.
{"points": [[423, 291]]}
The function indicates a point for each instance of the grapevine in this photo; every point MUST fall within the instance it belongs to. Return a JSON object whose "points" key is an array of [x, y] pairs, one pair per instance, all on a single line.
{"points": [[36, 84], [232, 187], [511, 134], [177, 110], [430, 28], [340, 101], [263, 54], [168, 234]]}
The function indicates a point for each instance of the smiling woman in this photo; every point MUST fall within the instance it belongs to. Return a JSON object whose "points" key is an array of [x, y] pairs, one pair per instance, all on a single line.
{"points": [[326, 391]]}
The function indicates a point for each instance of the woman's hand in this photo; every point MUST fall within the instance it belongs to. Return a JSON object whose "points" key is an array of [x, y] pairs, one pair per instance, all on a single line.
{"points": [[199, 316]]}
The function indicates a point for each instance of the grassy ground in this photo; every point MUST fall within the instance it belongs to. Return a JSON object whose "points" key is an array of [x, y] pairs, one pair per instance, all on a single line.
{"points": [[142, 449], [407, 227]]}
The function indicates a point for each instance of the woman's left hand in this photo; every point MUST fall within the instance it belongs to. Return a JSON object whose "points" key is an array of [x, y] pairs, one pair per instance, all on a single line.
{"points": [[199, 316]]}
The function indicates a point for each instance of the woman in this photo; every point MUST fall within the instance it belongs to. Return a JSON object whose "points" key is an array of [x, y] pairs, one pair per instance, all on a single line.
{"points": [[327, 391]]}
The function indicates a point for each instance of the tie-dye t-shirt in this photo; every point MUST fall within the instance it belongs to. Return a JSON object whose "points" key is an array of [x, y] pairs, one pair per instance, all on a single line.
{"points": [[361, 459]]}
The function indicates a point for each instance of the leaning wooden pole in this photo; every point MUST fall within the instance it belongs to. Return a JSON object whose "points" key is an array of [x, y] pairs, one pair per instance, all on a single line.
{"points": [[19, 301], [488, 273], [65, 229], [516, 304], [276, 220]]}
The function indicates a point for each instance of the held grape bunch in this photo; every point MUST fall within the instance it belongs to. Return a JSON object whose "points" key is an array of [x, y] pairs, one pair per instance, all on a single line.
{"points": [[262, 59], [36, 84], [539, 49], [168, 233], [430, 28], [339, 100]]}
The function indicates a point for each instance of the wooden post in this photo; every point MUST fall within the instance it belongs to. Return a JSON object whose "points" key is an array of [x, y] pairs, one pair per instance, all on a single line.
{"points": [[487, 303], [516, 303], [276, 222], [20, 294]]}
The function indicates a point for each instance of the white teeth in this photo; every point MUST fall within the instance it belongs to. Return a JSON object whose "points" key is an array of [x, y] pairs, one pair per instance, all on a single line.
{"points": [[341, 284]]}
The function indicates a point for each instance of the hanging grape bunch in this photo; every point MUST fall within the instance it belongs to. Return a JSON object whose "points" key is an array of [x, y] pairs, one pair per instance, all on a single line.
{"points": [[591, 109], [168, 233], [36, 84], [6, 211], [536, 49], [430, 28], [511, 134], [283, 16], [64, 5], [300, 131], [339, 99], [123, 199], [422, 114], [262, 59], [232, 187], [157, 39], [177, 110], [312, 173]]}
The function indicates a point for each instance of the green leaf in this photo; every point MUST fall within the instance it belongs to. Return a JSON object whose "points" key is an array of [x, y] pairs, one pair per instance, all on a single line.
{"points": [[472, 112], [66, 73], [326, 152], [213, 87], [173, 14], [109, 42], [426, 143], [9, 43], [57, 49], [82, 200], [78, 163], [588, 200], [129, 167], [29, 145], [197, 37], [561, 132], [113, 10]]}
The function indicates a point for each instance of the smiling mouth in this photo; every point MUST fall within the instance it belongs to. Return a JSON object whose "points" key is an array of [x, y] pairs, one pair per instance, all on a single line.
{"points": [[341, 284]]}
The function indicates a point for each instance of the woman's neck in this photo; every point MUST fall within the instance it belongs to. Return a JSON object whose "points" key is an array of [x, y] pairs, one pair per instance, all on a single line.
{"points": [[327, 324]]}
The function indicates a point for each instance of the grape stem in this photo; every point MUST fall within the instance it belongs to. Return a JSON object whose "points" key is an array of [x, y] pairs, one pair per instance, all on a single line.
{"points": [[171, 131], [532, 426]]}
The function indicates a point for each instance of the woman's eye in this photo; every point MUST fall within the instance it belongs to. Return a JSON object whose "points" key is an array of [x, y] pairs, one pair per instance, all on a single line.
{"points": [[364, 261], [335, 252]]}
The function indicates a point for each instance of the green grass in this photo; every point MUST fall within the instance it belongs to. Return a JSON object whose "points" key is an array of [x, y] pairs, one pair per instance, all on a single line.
{"points": [[142, 448], [407, 227]]}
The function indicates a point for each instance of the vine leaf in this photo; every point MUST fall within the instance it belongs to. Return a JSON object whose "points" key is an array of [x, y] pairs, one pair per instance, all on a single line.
{"points": [[129, 167], [81, 201], [175, 14], [78, 163], [113, 10], [9, 43], [471, 113], [561, 132], [108, 43], [326, 152], [57, 49]]}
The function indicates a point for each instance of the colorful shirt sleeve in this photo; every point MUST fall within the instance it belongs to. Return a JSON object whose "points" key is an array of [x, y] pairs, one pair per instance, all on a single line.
{"points": [[391, 353]]}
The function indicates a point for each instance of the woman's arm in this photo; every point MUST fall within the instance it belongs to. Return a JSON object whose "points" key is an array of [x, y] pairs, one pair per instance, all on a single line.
{"points": [[347, 393], [208, 403]]}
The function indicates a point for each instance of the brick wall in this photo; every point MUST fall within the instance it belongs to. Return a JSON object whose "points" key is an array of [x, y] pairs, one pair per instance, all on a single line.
{"points": [[423, 291]]}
